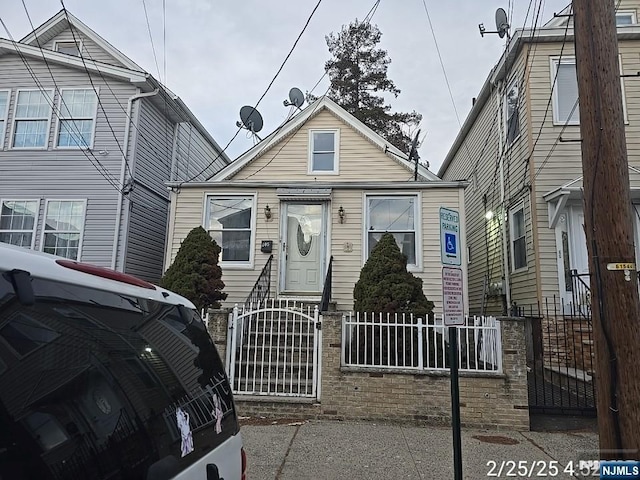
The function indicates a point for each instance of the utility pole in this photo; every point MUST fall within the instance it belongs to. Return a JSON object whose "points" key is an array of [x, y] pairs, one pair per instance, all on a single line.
{"points": [[609, 230]]}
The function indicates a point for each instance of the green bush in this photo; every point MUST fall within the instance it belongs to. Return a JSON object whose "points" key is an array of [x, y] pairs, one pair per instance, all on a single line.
{"points": [[195, 273]]}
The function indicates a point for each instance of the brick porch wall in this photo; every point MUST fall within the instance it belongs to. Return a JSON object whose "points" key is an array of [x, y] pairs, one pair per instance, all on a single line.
{"points": [[486, 401]]}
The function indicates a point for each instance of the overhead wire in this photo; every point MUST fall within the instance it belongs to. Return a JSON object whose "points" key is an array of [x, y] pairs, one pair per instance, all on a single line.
{"points": [[153, 47], [304, 28]]}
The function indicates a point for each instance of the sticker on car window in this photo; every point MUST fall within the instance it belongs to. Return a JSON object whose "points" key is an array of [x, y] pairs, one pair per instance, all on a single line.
{"points": [[182, 418], [217, 412]]}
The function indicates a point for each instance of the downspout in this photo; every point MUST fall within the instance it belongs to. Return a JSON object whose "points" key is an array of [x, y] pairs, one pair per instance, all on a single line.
{"points": [[123, 172], [503, 211]]}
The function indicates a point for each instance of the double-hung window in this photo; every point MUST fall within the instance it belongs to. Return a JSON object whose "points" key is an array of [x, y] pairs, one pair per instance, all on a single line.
{"points": [[63, 228], [32, 116], [323, 151], [78, 109], [4, 110], [512, 112], [398, 215], [229, 221], [18, 222], [24, 334], [565, 91], [518, 238]]}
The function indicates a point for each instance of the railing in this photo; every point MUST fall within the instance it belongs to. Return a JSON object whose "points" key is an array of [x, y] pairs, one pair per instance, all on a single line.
{"points": [[580, 294], [403, 341], [262, 288], [326, 290]]}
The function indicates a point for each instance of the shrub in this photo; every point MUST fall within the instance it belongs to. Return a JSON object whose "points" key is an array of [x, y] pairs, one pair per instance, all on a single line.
{"points": [[195, 273]]}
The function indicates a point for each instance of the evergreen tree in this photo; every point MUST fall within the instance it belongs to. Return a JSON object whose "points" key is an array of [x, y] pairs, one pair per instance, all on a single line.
{"points": [[386, 286], [358, 73], [195, 273]]}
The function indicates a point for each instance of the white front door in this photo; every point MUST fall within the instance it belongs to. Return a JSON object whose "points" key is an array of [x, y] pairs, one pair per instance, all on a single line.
{"points": [[304, 247]]}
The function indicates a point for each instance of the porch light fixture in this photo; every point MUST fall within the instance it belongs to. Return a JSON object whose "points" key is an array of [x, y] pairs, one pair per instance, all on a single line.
{"points": [[341, 214], [267, 212], [488, 215]]}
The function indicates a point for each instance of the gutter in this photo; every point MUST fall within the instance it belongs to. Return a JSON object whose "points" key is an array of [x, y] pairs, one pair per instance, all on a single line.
{"points": [[408, 185], [121, 197]]}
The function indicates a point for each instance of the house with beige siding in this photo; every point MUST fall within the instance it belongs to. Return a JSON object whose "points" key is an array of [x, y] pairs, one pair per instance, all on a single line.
{"points": [[311, 198], [87, 141], [519, 149]]}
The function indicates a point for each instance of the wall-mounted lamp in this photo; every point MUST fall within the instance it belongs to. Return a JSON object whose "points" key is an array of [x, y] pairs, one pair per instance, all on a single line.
{"points": [[341, 214], [267, 212], [488, 215]]}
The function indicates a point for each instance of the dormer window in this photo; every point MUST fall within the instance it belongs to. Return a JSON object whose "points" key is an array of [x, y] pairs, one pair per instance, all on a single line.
{"points": [[68, 48], [323, 151]]}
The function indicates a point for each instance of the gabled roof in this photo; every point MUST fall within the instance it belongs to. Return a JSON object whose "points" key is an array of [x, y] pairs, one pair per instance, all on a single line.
{"points": [[289, 128], [59, 22]]}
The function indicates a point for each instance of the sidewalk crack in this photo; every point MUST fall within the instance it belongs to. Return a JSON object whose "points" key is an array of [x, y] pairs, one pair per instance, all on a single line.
{"points": [[286, 454]]}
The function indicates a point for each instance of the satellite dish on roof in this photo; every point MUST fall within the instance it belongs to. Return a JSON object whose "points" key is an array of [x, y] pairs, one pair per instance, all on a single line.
{"points": [[296, 98], [250, 119], [502, 25]]}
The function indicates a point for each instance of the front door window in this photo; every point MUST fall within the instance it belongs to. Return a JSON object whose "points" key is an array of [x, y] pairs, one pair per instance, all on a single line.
{"points": [[304, 247]]}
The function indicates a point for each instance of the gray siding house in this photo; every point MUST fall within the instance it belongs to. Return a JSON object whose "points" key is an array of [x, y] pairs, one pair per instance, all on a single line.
{"points": [[87, 141]]}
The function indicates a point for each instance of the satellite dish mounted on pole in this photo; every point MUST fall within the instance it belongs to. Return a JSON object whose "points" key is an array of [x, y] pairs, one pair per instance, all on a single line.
{"points": [[413, 155], [250, 119], [502, 25], [296, 98]]}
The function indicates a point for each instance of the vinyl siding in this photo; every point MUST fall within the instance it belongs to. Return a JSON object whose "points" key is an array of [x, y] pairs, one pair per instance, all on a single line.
{"points": [[194, 154], [189, 212], [68, 174], [90, 50], [290, 158]]}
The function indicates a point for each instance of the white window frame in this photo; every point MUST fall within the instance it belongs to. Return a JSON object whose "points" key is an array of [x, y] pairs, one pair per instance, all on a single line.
{"points": [[35, 221], [623, 13], [61, 119], [572, 60], [4, 118], [78, 44], [15, 317], [512, 211], [336, 151], [417, 206], [44, 223], [235, 265], [513, 83], [18, 119]]}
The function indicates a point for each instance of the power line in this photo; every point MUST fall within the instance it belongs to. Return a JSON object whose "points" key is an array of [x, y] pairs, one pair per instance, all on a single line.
{"points": [[153, 47], [262, 96]]}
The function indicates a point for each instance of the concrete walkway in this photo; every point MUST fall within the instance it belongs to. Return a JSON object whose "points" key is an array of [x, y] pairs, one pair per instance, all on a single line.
{"points": [[353, 450]]}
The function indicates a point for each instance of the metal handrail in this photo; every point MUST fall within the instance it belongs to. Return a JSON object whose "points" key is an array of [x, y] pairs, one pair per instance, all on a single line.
{"points": [[326, 290], [262, 288]]}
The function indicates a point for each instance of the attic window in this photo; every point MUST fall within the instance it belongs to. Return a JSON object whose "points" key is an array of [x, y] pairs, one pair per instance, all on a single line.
{"points": [[68, 48], [323, 151]]}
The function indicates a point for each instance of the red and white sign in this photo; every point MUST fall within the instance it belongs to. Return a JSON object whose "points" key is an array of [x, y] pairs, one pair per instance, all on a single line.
{"points": [[452, 297]]}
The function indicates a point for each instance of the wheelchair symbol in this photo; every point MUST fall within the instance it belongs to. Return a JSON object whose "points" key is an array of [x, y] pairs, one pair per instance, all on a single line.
{"points": [[450, 243]]}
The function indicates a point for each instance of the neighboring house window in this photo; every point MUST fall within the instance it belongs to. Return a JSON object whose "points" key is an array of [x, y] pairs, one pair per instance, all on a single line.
{"points": [[68, 48], [512, 112], [31, 123], [63, 227], [228, 221], [24, 334], [18, 222], [565, 92], [397, 215], [323, 151], [625, 18], [4, 109], [518, 238], [78, 109]]}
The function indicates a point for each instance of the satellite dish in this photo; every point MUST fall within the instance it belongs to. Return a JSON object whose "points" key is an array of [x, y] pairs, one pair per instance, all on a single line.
{"points": [[296, 98], [250, 119], [502, 25]]}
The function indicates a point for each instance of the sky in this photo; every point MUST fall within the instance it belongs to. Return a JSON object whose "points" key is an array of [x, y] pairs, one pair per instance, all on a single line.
{"points": [[221, 55]]}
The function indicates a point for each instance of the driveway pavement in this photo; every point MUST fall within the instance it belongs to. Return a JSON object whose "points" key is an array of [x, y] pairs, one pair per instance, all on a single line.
{"points": [[356, 450]]}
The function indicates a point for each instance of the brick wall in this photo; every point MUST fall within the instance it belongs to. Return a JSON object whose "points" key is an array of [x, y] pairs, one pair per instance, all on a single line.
{"points": [[486, 401]]}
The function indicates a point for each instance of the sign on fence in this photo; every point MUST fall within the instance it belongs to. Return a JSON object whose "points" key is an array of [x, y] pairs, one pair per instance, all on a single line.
{"points": [[450, 236], [452, 297]]}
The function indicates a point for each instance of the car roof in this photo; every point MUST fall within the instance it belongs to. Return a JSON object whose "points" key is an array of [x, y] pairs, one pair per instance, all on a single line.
{"points": [[43, 265]]}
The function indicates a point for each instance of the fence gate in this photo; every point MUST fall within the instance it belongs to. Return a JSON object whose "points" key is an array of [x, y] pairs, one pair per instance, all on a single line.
{"points": [[560, 363], [274, 349]]}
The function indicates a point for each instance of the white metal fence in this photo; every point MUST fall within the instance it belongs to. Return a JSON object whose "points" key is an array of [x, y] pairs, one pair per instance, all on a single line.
{"points": [[274, 349], [403, 341]]}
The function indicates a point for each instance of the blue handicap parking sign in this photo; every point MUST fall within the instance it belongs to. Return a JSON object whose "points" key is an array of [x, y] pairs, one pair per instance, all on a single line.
{"points": [[450, 243]]}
